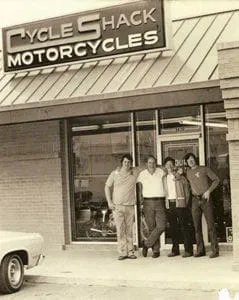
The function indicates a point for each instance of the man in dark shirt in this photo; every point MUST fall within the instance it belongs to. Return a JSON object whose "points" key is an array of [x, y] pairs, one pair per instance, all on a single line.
{"points": [[203, 181]]}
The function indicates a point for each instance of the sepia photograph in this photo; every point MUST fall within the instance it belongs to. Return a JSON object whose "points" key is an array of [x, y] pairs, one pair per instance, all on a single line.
{"points": [[119, 157]]}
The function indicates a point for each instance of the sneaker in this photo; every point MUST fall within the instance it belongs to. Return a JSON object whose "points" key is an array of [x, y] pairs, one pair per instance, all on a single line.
{"points": [[132, 256], [187, 254], [214, 254], [156, 254], [122, 257], [172, 254], [144, 250]]}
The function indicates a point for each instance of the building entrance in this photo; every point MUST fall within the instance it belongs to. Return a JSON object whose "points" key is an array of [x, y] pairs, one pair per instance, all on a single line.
{"points": [[177, 146], [98, 142]]}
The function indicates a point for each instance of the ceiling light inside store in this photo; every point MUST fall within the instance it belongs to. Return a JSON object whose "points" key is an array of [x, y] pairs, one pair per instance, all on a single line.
{"points": [[85, 128], [208, 124]]}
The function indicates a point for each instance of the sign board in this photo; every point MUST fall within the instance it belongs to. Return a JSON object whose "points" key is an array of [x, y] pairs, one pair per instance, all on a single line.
{"points": [[117, 30]]}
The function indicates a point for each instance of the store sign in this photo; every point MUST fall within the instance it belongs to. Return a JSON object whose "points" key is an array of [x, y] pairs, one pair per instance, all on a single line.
{"points": [[118, 30]]}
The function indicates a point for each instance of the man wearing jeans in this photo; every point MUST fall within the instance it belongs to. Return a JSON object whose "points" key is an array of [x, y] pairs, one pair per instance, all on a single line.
{"points": [[203, 181], [120, 195], [152, 197]]}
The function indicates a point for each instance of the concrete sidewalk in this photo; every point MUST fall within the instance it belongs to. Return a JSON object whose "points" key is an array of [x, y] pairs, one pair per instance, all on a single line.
{"points": [[103, 268]]}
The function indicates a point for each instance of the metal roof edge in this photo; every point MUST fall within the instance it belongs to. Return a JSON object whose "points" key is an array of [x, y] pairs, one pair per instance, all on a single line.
{"points": [[205, 15], [227, 45], [114, 95]]}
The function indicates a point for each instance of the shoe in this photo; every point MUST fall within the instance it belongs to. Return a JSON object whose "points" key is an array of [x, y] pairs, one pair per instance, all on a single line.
{"points": [[214, 254], [122, 257], [187, 254], [199, 254], [172, 254], [144, 250], [156, 254], [132, 256]]}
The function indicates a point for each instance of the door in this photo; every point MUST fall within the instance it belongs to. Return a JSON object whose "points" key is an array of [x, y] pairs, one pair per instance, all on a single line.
{"points": [[177, 146]]}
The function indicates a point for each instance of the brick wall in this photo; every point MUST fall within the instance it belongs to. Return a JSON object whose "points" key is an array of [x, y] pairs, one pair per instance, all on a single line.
{"points": [[228, 55], [31, 181]]}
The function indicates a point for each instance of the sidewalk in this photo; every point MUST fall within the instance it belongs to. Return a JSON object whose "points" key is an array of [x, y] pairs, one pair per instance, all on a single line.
{"points": [[103, 268]]}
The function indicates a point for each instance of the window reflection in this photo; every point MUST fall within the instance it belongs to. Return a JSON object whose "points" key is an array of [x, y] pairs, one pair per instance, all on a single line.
{"points": [[98, 143], [146, 135], [218, 161], [180, 120]]}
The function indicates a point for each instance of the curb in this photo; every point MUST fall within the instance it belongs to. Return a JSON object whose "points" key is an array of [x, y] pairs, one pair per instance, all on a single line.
{"points": [[199, 285]]}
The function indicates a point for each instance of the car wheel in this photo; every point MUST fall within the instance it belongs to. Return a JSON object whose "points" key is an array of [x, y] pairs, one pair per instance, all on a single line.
{"points": [[11, 274]]}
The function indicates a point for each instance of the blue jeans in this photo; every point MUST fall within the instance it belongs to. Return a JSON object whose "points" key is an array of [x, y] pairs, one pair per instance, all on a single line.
{"points": [[155, 217], [199, 206]]}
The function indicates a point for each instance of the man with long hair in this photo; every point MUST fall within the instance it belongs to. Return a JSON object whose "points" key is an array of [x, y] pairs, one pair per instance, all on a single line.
{"points": [[202, 181], [121, 198]]}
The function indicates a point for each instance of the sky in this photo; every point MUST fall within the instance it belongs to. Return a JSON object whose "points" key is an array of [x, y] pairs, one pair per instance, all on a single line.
{"points": [[13, 12]]}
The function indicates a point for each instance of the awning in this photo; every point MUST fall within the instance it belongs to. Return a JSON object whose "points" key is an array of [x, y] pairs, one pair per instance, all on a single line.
{"points": [[192, 61]]}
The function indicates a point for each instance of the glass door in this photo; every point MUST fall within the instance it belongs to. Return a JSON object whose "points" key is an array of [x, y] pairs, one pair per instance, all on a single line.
{"points": [[177, 146]]}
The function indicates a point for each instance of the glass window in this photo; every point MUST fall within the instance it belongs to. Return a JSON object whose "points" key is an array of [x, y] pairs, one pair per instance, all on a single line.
{"points": [[97, 144], [218, 160], [177, 120], [146, 135]]}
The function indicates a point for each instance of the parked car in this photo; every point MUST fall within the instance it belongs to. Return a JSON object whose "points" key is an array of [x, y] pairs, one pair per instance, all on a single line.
{"points": [[18, 250]]}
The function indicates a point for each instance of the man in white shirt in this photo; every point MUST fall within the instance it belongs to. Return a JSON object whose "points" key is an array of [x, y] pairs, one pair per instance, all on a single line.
{"points": [[152, 197]]}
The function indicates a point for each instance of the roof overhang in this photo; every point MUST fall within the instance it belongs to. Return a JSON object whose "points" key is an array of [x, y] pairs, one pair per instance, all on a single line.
{"points": [[158, 97]]}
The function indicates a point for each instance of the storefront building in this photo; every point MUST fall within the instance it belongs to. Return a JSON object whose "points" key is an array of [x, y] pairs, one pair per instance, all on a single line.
{"points": [[64, 129]]}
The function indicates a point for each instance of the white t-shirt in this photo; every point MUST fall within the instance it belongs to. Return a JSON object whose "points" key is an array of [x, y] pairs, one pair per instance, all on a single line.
{"points": [[171, 186], [152, 183]]}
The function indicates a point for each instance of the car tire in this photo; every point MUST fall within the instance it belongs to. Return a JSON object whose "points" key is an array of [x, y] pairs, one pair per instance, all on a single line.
{"points": [[11, 274]]}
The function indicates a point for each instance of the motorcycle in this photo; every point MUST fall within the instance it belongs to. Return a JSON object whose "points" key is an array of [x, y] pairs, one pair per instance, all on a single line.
{"points": [[102, 222]]}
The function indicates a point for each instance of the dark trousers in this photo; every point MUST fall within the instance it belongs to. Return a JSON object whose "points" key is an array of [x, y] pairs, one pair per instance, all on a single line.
{"points": [[199, 206], [179, 218], [155, 217]]}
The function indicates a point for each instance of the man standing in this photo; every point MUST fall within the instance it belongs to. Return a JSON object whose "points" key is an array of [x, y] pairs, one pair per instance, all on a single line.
{"points": [[177, 194], [120, 195], [153, 199], [203, 181]]}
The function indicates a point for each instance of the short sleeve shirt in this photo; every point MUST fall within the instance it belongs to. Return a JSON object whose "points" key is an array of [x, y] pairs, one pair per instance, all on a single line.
{"points": [[199, 179], [152, 183], [123, 184]]}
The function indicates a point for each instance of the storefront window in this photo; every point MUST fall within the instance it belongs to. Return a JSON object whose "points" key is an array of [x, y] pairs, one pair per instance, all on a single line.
{"points": [[97, 145], [180, 133], [176, 120], [146, 135], [218, 161]]}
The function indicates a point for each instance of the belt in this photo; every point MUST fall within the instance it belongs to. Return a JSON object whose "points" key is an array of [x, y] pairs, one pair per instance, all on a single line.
{"points": [[154, 198]]}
